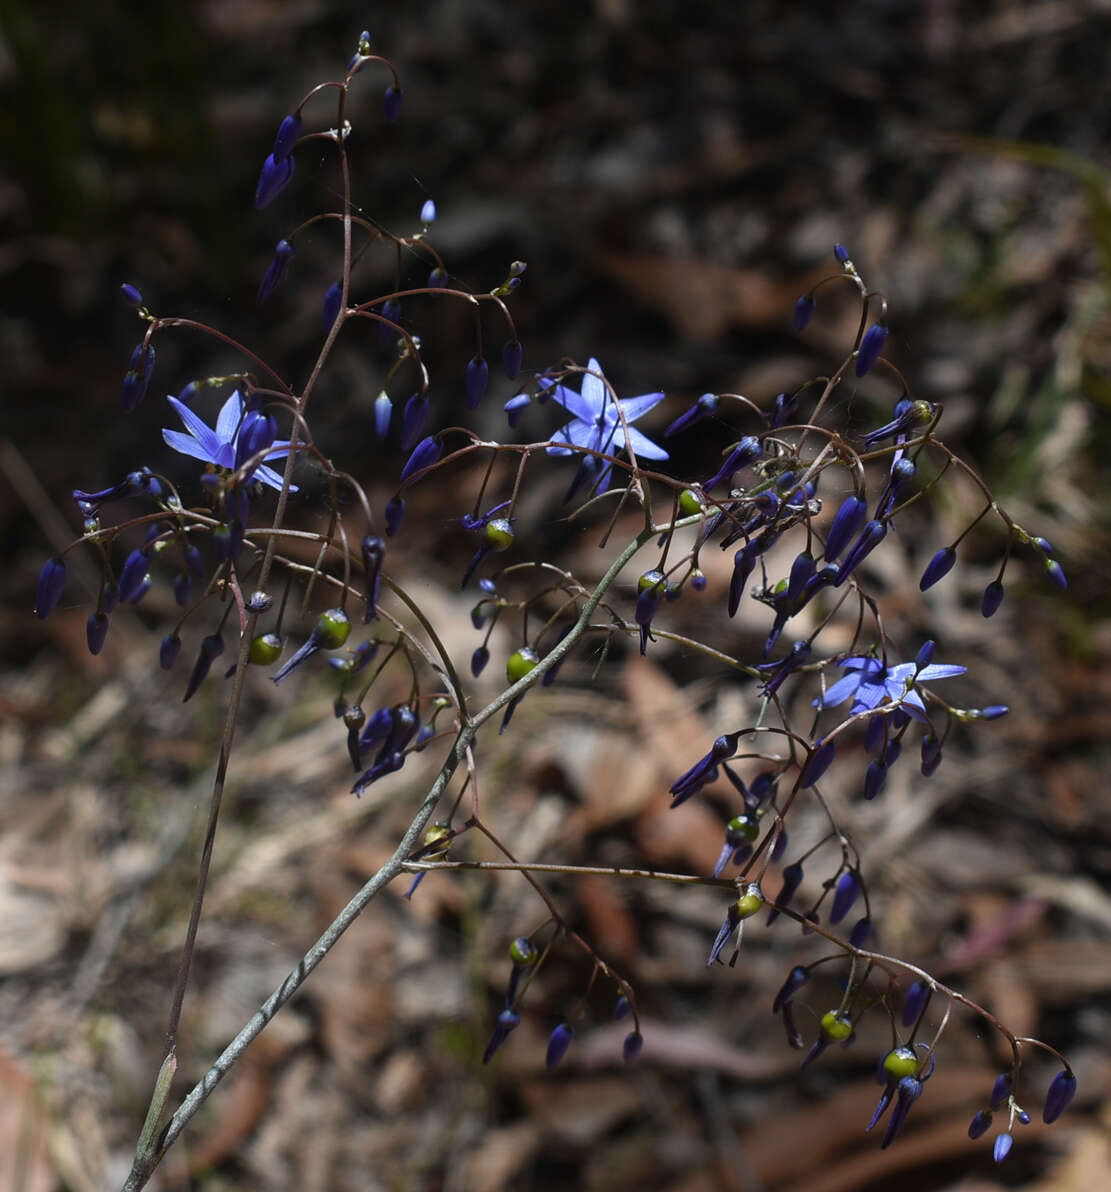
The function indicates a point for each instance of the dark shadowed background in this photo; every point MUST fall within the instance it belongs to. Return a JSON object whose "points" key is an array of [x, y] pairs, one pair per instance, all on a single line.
{"points": [[675, 175]]}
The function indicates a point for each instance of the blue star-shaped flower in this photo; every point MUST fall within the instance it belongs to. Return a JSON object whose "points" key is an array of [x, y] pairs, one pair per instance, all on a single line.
{"points": [[596, 424], [869, 683], [217, 446]]}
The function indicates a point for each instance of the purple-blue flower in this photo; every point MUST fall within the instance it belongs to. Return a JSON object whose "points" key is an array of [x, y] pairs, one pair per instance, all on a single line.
{"points": [[596, 424], [218, 445], [869, 683]]}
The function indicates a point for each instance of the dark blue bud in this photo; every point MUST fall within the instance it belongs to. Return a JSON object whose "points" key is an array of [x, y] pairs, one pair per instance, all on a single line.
{"points": [[743, 563], [804, 310], [862, 929], [333, 300], [796, 979], [1001, 1090], [508, 1021], [392, 105], [478, 374], [275, 271], [378, 727], [131, 295], [706, 405], [211, 648], [425, 454], [801, 571], [870, 347], [256, 435], [938, 567], [96, 630], [137, 378], [845, 894], [438, 278], [980, 1124], [621, 1008], [870, 537], [820, 759], [698, 580], [511, 357], [792, 879], [632, 1047], [131, 576], [558, 1042], [874, 778], [275, 177], [994, 711], [846, 523], [993, 598], [374, 552], [395, 514], [1002, 1148], [288, 132], [169, 650], [1061, 1092], [841, 253], [391, 310], [1056, 573], [744, 453], [479, 659], [925, 655], [383, 411], [414, 420], [52, 581], [515, 409]]}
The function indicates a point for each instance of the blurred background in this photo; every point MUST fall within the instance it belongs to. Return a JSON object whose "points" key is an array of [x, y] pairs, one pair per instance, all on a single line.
{"points": [[675, 175]]}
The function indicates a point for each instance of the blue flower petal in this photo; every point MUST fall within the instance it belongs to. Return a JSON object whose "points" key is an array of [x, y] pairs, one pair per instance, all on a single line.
{"points": [[198, 429]]}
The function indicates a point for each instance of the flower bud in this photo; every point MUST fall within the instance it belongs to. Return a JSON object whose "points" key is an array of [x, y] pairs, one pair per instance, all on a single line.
{"points": [[980, 1124], [841, 253], [392, 104], [558, 1042], [1055, 572], [844, 896], [1002, 1148], [870, 347], [333, 300], [275, 177], [275, 271], [211, 648], [820, 759], [479, 659], [383, 410], [52, 581], [512, 355], [428, 212], [131, 295], [938, 567], [804, 310], [138, 376], [169, 650], [394, 515], [478, 374], [132, 573], [288, 132], [1061, 1092], [374, 552], [632, 1047], [424, 455], [847, 521], [96, 630], [414, 420]]}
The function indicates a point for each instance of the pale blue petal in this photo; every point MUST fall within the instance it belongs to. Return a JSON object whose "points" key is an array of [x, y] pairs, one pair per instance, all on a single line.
{"points": [[270, 477], [940, 670], [636, 407], [228, 420], [644, 447], [186, 444], [198, 429], [573, 403], [839, 692], [594, 392]]}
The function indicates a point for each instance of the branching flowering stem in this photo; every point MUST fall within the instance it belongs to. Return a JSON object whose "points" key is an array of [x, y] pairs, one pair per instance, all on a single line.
{"points": [[148, 1157]]}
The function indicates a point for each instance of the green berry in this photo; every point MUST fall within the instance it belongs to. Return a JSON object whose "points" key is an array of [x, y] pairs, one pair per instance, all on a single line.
{"points": [[520, 663], [265, 649], [332, 629], [523, 952], [437, 840], [742, 829], [750, 903], [689, 504], [901, 1062], [837, 1026], [498, 534], [652, 579]]}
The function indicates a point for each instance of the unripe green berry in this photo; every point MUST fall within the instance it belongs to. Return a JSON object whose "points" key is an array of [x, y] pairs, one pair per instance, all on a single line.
{"points": [[498, 534], [437, 840], [265, 649], [520, 663], [332, 629], [523, 952], [689, 504], [750, 903], [652, 579], [836, 1025], [901, 1062], [742, 829]]}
